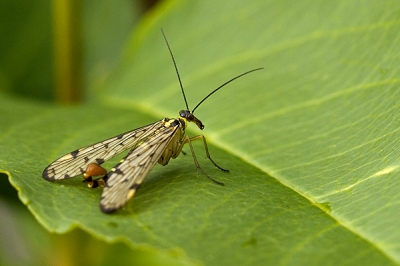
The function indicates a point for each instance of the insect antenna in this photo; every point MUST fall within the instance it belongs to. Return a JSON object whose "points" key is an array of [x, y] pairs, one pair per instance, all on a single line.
{"points": [[229, 81], [176, 69], [211, 93]]}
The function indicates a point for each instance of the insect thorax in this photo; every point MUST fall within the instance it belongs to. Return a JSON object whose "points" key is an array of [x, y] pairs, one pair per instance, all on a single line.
{"points": [[173, 122]]}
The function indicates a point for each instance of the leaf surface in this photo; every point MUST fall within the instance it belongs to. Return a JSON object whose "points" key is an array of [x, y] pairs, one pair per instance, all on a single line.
{"points": [[312, 141]]}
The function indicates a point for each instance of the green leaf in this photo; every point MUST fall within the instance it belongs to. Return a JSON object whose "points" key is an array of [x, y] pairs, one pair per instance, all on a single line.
{"points": [[312, 141]]}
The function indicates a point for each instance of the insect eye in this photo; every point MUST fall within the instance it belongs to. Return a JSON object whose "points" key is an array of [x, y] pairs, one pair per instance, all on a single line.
{"points": [[186, 114]]}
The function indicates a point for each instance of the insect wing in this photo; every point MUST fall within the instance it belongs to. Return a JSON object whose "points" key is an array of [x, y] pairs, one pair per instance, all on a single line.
{"points": [[126, 177], [75, 163]]}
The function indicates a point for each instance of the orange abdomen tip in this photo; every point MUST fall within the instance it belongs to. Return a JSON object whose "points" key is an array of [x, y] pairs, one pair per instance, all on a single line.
{"points": [[94, 169]]}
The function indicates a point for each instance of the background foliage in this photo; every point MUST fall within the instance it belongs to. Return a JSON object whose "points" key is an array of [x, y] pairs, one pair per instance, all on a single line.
{"points": [[311, 141]]}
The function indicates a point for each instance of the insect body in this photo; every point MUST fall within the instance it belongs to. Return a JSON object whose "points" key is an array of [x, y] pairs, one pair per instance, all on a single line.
{"points": [[157, 142]]}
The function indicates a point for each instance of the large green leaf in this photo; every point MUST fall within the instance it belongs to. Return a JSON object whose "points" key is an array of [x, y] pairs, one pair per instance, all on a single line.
{"points": [[311, 141]]}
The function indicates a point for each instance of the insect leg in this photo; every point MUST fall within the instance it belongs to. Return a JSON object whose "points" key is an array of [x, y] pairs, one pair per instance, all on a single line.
{"points": [[99, 182], [94, 169], [189, 140], [207, 153]]}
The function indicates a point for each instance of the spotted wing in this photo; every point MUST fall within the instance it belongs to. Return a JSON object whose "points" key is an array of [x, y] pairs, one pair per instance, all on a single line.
{"points": [[75, 163], [126, 177]]}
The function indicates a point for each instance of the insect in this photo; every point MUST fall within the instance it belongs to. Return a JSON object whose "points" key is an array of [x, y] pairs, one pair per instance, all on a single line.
{"points": [[157, 142]]}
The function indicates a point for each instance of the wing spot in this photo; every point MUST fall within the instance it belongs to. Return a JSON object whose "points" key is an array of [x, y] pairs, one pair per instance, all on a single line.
{"points": [[75, 153], [135, 186], [131, 193], [99, 160], [118, 171]]}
